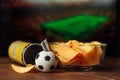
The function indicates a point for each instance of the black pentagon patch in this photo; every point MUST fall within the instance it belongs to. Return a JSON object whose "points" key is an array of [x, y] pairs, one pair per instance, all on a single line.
{"points": [[52, 67], [47, 58], [37, 56], [41, 67]]}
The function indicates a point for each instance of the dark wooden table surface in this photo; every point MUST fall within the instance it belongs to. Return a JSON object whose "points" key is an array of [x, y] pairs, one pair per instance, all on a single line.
{"points": [[110, 70]]}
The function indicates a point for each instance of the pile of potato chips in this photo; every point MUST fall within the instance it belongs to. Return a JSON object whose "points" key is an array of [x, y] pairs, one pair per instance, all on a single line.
{"points": [[78, 53]]}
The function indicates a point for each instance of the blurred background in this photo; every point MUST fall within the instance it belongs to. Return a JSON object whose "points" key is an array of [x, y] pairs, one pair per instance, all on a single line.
{"points": [[59, 20]]}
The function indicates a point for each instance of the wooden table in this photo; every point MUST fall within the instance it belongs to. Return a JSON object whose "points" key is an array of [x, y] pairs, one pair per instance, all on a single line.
{"points": [[109, 71]]}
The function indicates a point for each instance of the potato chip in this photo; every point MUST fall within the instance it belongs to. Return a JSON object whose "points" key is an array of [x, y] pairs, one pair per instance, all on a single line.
{"points": [[70, 43], [97, 47], [88, 59], [64, 52], [86, 48], [91, 58], [20, 69], [95, 43]]}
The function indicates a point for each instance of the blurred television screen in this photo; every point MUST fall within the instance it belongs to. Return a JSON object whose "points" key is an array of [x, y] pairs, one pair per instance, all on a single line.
{"points": [[59, 20]]}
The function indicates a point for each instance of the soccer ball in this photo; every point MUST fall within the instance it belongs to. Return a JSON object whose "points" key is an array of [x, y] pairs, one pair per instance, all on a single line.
{"points": [[45, 61]]}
